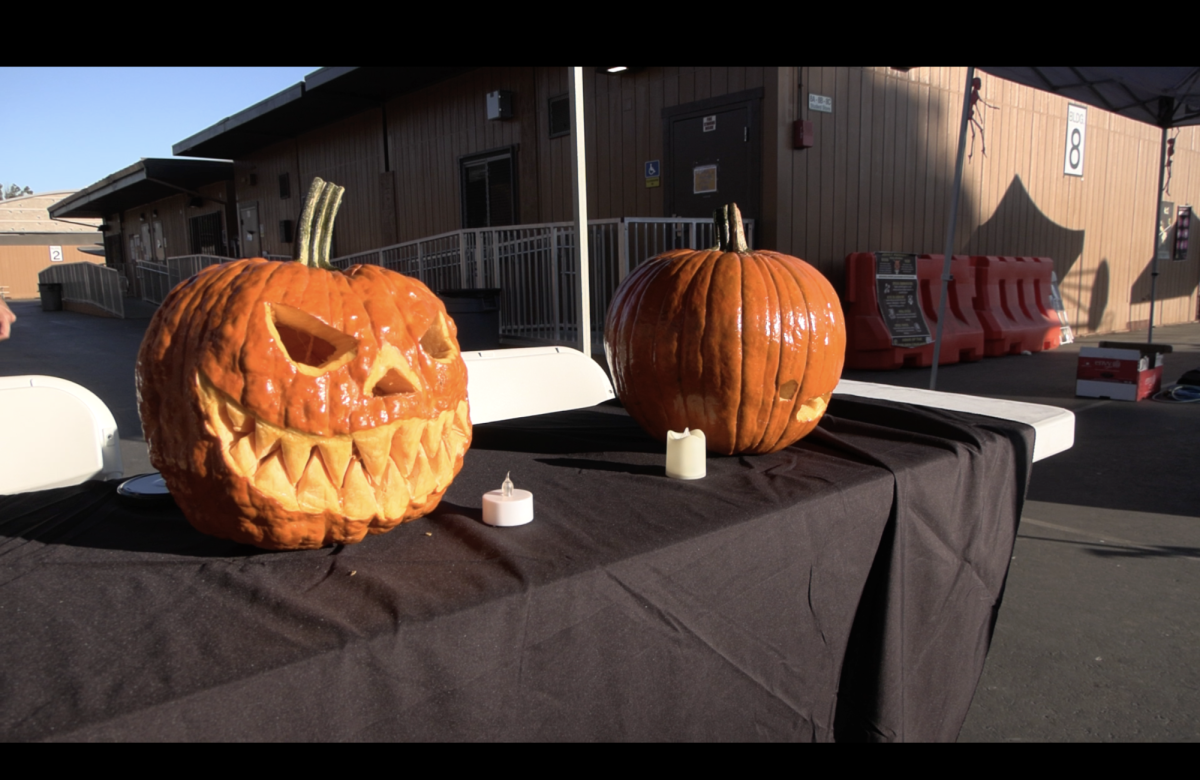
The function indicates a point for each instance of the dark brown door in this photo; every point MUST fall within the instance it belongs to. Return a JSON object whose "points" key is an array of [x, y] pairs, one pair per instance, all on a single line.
{"points": [[713, 156]]}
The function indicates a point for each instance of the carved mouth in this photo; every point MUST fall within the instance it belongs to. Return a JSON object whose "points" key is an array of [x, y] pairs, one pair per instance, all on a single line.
{"points": [[378, 473]]}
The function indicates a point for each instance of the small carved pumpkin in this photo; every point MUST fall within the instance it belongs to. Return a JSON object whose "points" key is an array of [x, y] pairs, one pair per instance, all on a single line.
{"points": [[746, 346], [290, 405]]}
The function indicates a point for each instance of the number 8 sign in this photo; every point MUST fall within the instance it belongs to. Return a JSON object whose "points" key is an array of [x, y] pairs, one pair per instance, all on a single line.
{"points": [[1076, 131]]}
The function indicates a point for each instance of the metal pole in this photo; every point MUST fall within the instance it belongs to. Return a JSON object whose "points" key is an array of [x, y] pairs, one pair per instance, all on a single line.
{"points": [[958, 166], [1162, 167], [579, 180]]}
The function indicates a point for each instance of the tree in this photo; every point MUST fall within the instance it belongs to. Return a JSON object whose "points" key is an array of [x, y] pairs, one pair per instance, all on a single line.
{"points": [[14, 191]]}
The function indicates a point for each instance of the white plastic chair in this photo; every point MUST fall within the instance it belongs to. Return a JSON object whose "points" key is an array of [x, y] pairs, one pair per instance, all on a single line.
{"points": [[503, 384], [54, 433]]}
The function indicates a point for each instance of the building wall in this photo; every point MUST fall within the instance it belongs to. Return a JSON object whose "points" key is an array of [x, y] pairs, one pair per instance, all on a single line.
{"points": [[20, 266], [880, 174]]}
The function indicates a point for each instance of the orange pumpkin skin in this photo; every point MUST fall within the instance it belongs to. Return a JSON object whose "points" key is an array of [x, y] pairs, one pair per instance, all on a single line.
{"points": [[292, 407], [747, 347]]}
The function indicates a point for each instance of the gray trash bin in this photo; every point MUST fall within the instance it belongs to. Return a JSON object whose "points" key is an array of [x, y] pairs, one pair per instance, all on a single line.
{"points": [[51, 293], [476, 313]]}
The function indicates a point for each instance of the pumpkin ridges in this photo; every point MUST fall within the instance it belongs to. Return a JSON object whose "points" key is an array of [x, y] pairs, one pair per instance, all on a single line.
{"points": [[638, 348], [760, 310], [688, 363], [722, 350], [793, 362]]}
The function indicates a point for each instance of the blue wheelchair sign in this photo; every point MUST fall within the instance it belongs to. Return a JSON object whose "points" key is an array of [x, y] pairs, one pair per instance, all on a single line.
{"points": [[651, 169]]}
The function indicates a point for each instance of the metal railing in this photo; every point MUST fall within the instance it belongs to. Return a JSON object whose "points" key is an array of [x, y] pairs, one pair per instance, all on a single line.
{"points": [[158, 279], [88, 283], [534, 266]]}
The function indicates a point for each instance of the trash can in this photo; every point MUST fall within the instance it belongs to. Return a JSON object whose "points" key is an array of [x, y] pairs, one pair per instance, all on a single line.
{"points": [[51, 293], [476, 313]]}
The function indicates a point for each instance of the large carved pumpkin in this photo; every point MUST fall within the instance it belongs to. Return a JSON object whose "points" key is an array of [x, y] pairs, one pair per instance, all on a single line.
{"points": [[290, 405], [746, 346]]}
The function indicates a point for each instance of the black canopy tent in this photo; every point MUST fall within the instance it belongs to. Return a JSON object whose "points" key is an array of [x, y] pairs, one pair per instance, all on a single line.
{"points": [[1166, 97]]}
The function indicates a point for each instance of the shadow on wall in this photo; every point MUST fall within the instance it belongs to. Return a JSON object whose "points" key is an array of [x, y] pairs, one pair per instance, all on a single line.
{"points": [[1099, 297], [1018, 227], [1176, 279]]}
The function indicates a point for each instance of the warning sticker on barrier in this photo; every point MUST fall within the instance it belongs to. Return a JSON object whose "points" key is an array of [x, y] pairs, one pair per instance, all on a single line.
{"points": [[900, 299]]}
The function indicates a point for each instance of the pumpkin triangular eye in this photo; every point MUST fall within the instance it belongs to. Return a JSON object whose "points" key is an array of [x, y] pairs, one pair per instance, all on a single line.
{"points": [[391, 383], [312, 346], [437, 341]]}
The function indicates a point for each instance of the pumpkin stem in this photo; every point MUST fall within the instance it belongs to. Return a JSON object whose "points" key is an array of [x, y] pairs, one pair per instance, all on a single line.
{"points": [[730, 234], [316, 223]]}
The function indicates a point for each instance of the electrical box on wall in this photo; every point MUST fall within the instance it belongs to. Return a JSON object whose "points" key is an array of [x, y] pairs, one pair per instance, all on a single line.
{"points": [[802, 134], [499, 104]]}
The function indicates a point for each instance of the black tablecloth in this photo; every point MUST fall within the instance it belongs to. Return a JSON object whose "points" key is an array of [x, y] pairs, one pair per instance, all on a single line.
{"points": [[844, 588]]}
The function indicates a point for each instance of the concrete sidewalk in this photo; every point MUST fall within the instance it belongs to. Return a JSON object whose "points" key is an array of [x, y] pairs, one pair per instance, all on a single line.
{"points": [[1098, 638]]}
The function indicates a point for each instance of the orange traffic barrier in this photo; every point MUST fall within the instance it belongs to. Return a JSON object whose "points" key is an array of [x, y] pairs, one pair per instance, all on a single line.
{"points": [[869, 343], [1001, 285], [962, 335], [1035, 299]]}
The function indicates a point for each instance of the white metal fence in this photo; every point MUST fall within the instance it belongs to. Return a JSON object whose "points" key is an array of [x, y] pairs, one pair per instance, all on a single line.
{"points": [[89, 283], [534, 266]]}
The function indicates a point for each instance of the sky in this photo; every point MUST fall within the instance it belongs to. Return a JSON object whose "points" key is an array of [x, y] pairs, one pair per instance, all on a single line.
{"points": [[67, 128]]}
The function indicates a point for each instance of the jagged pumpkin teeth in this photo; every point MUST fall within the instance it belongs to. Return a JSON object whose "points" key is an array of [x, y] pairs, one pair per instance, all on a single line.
{"points": [[335, 452], [404, 444], [265, 436], [463, 415], [373, 446], [358, 499], [272, 479], [297, 449], [431, 436], [421, 481], [242, 454], [812, 409], [314, 491], [392, 495], [442, 463], [238, 419]]}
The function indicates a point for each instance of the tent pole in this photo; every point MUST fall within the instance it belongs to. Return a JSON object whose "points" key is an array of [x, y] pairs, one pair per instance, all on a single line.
{"points": [[579, 196], [958, 168], [1162, 167]]}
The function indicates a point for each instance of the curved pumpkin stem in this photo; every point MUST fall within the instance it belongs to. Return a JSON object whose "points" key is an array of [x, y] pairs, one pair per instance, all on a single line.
{"points": [[316, 224], [730, 233]]}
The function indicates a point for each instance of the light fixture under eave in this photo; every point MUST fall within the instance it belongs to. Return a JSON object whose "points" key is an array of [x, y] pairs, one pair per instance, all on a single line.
{"points": [[616, 68]]}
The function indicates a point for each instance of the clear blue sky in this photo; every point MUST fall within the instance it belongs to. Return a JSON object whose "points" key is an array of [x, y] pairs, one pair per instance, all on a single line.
{"points": [[66, 128]]}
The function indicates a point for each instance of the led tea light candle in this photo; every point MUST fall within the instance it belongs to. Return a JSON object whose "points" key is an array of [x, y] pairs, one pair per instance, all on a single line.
{"points": [[508, 505], [685, 454]]}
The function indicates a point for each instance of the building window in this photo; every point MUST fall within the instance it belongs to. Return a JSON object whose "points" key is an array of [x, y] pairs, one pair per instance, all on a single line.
{"points": [[489, 190], [560, 116], [207, 238], [285, 186]]}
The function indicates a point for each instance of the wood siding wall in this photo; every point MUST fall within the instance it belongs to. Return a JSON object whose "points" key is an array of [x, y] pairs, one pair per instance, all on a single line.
{"points": [[880, 175], [20, 265]]}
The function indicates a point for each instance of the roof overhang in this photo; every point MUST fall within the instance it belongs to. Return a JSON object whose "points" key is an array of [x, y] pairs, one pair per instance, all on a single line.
{"points": [[143, 182], [1161, 96], [325, 96]]}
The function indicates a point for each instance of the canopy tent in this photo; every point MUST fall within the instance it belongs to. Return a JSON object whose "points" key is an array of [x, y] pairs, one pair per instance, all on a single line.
{"points": [[1166, 97]]}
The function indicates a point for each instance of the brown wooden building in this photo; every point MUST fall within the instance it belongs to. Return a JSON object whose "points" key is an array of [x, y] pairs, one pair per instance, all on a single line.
{"points": [[155, 209], [31, 241], [423, 151]]}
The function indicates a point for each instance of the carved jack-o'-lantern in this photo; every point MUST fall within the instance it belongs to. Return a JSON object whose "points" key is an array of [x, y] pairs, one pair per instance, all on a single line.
{"points": [[290, 405]]}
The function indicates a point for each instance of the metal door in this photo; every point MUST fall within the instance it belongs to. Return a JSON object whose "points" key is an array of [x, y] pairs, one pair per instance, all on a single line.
{"points": [[249, 234], [713, 157]]}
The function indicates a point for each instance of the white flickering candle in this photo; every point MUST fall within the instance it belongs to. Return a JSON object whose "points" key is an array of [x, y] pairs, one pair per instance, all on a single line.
{"points": [[508, 505], [685, 454]]}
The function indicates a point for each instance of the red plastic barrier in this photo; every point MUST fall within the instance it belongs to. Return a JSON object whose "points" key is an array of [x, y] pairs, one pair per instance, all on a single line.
{"points": [[1036, 300], [868, 342], [962, 335], [1001, 284]]}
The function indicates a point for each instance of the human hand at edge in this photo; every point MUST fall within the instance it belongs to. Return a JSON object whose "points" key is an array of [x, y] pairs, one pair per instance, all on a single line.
{"points": [[7, 318]]}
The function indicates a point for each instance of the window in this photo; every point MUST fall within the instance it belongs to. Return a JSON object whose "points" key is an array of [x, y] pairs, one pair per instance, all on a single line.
{"points": [[285, 186], [560, 116], [207, 238], [489, 190]]}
